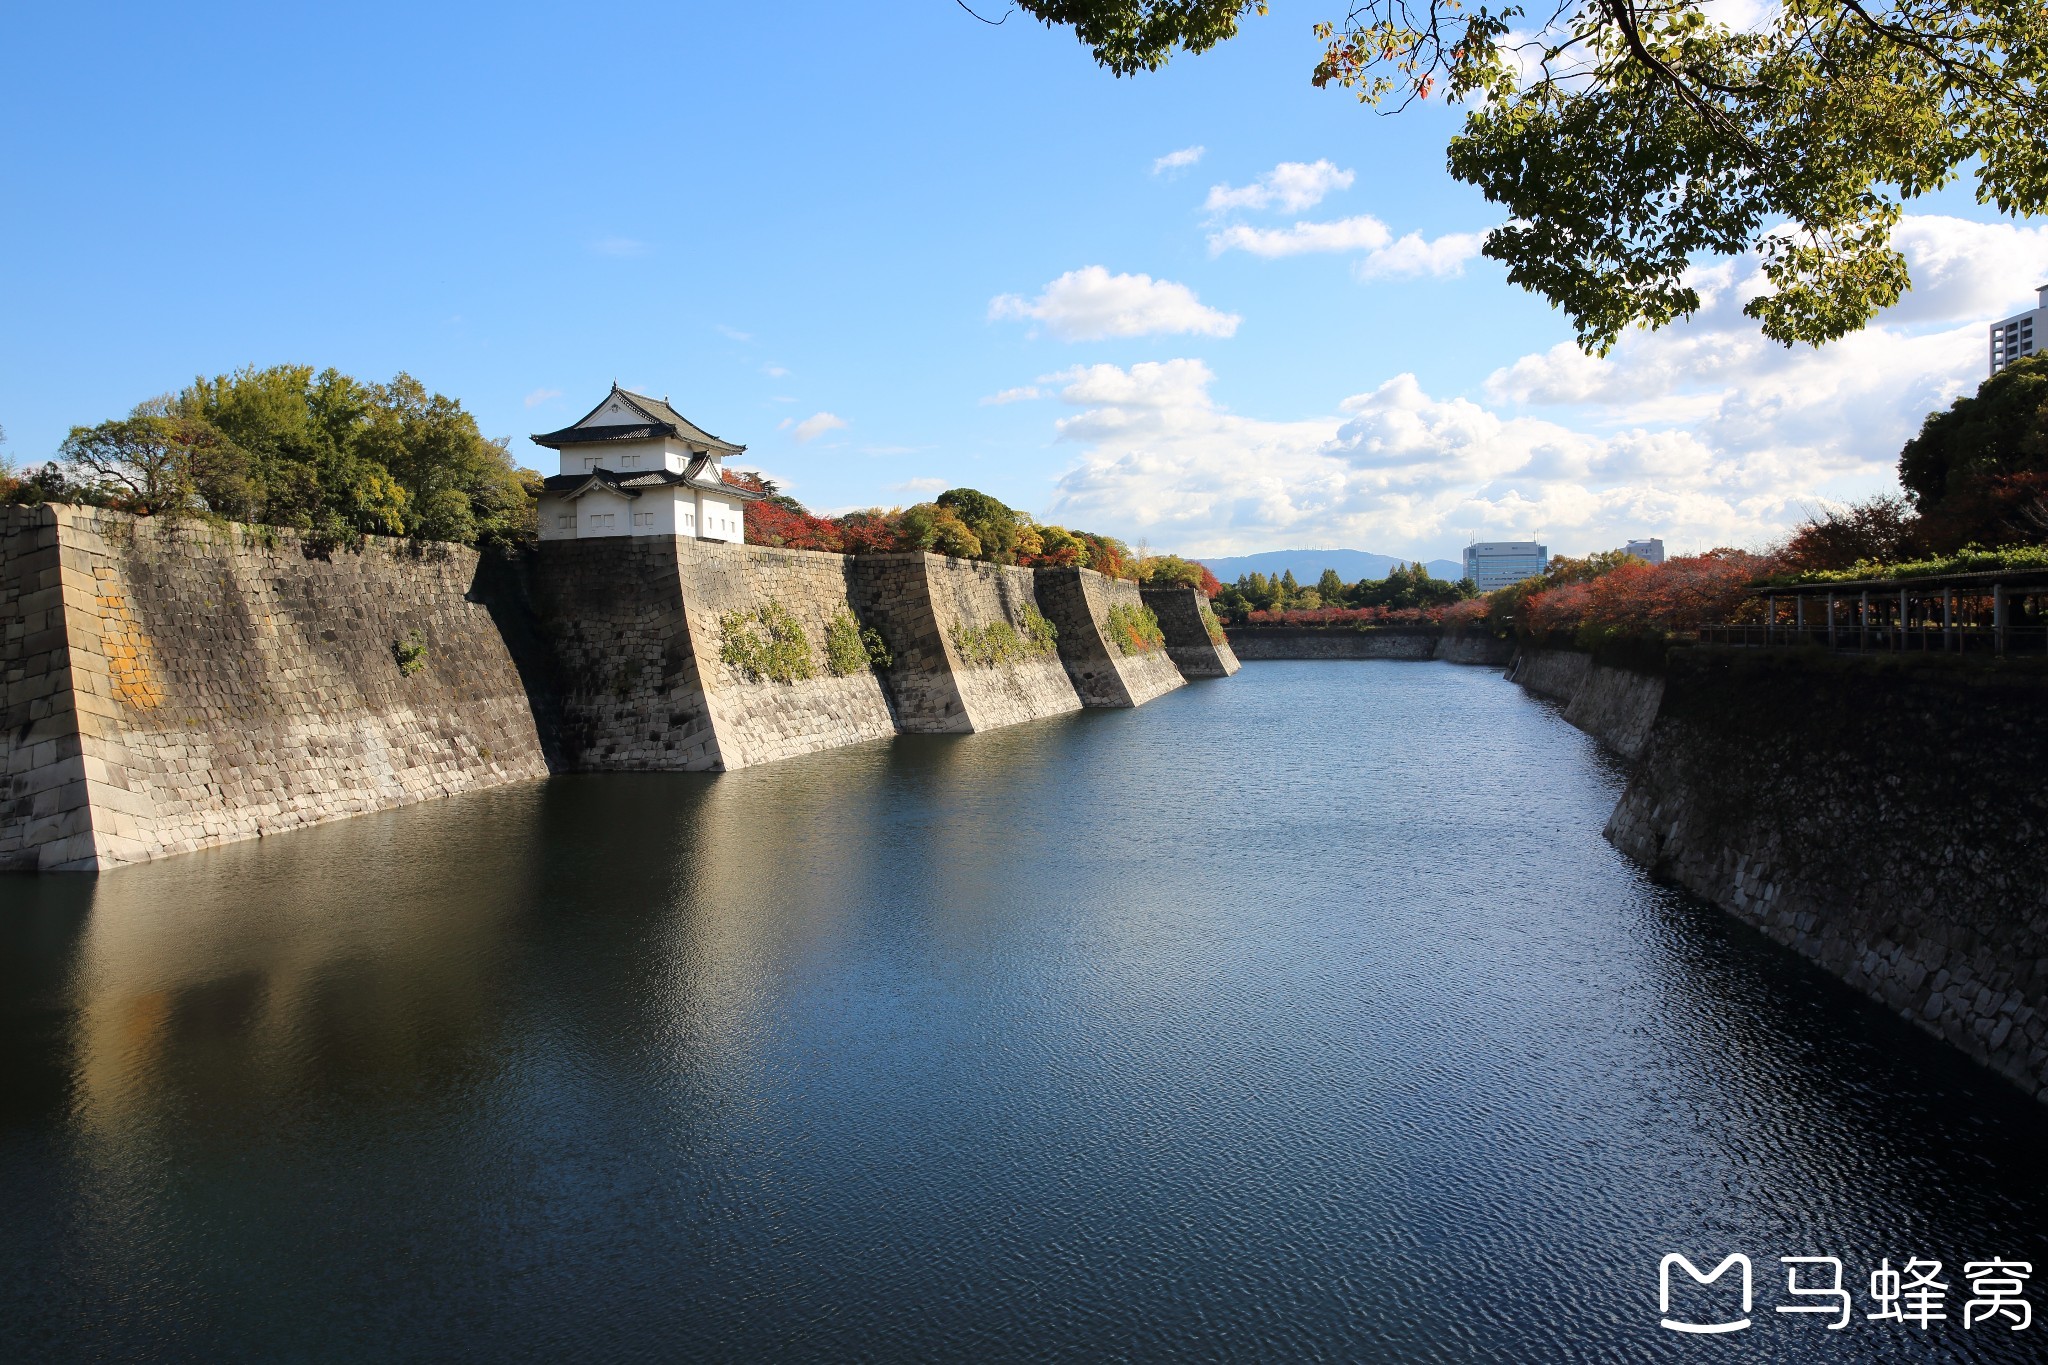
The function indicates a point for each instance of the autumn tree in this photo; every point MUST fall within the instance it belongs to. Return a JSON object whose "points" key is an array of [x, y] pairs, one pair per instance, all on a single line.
{"points": [[1624, 139]]}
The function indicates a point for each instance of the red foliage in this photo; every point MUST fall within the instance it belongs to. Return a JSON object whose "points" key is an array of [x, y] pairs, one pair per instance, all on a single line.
{"points": [[868, 533], [1635, 598], [772, 523], [1211, 585]]}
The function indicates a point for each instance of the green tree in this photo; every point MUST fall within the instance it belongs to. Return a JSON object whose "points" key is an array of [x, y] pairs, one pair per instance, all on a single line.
{"points": [[148, 462], [1625, 139], [1170, 571], [993, 523], [1330, 588], [2000, 430]]}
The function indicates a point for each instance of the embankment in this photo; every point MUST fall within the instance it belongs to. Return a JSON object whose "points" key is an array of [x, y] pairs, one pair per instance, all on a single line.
{"points": [[1105, 669], [1884, 818], [1195, 639], [932, 610], [1393, 642], [172, 685]]}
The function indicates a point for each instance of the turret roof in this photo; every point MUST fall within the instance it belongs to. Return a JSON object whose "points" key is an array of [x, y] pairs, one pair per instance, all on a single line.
{"points": [[661, 420]]}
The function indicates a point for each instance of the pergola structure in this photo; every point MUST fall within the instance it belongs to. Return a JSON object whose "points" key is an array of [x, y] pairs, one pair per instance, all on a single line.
{"points": [[2003, 611]]}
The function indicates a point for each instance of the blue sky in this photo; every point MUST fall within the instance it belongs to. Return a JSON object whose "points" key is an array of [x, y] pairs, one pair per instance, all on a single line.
{"points": [[835, 232]]}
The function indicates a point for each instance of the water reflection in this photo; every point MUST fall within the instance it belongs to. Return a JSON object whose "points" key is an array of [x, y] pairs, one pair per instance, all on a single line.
{"points": [[1301, 1015]]}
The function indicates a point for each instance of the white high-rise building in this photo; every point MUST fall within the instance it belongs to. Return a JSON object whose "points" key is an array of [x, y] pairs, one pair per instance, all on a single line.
{"points": [[1494, 564], [1652, 550], [2015, 337]]}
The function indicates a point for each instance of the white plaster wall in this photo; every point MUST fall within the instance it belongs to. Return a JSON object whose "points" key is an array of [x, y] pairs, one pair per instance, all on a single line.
{"points": [[627, 457], [593, 509], [720, 518]]}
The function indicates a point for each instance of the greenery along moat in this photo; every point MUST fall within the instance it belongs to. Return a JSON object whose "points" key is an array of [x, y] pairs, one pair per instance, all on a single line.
{"points": [[1303, 1017]]}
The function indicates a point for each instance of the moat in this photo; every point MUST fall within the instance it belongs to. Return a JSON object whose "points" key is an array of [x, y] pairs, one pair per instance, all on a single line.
{"points": [[1304, 1016]]}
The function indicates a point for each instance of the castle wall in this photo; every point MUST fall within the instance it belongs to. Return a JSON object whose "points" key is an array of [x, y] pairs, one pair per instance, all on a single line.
{"points": [[623, 668], [1880, 816], [1077, 601], [226, 684], [967, 595], [1184, 618], [760, 720], [45, 818]]}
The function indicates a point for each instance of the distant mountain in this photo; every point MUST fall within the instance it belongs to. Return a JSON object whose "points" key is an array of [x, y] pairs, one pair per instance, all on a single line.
{"points": [[1308, 565]]}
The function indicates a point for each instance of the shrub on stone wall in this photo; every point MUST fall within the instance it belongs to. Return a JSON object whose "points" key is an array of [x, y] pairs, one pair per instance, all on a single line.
{"points": [[1210, 624], [999, 642], [411, 653], [1134, 629], [765, 643]]}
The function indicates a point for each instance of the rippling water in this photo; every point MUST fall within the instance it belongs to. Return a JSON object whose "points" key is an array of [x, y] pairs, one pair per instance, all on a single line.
{"points": [[1302, 1016]]}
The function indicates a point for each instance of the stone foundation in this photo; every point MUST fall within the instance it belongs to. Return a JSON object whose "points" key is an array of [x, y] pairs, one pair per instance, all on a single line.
{"points": [[1077, 601], [1881, 817], [172, 685], [169, 685], [1390, 642], [1184, 618]]}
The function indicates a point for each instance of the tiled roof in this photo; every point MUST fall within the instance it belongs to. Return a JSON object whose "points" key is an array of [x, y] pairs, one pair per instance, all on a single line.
{"points": [[662, 420]]}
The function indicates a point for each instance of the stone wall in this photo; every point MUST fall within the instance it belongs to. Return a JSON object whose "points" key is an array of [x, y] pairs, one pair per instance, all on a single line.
{"points": [[1882, 817], [226, 684], [1184, 618], [45, 818], [622, 668], [1077, 601], [1617, 706], [760, 720], [969, 596]]}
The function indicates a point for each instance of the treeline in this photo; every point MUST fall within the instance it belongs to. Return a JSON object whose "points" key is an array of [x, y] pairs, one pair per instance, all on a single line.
{"points": [[286, 446], [1408, 589], [964, 523]]}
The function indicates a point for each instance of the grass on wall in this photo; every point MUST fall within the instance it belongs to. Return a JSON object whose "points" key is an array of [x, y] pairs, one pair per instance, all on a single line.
{"points": [[1135, 630], [850, 647], [999, 642], [766, 643]]}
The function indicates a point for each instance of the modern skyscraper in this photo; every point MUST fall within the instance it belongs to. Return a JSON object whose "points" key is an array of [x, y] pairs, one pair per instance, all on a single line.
{"points": [[2014, 337], [1652, 550], [1494, 564]]}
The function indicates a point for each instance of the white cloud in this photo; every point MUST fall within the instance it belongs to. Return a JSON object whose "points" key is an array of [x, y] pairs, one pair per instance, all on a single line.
{"points": [[1022, 394], [1415, 254], [1345, 234], [623, 247], [539, 396], [915, 486], [774, 371], [1092, 305], [733, 333], [1178, 161], [1290, 187], [812, 427]]}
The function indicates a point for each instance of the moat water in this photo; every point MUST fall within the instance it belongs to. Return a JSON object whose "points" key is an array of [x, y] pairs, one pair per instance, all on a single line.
{"points": [[1300, 1016]]}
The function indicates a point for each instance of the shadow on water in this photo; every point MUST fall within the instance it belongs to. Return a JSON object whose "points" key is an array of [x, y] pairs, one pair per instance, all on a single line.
{"points": [[1300, 1015]]}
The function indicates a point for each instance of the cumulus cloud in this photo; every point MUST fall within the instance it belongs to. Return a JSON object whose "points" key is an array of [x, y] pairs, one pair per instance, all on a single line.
{"points": [[1022, 394], [1178, 161], [812, 427], [1385, 256], [774, 371], [917, 486], [1091, 304], [539, 396], [1704, 433], [1290, 187], [1345, 234], [1415, 254]]}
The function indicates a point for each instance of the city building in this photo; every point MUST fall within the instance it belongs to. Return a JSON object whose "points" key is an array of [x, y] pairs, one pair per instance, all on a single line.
{"points": [[1494, 564], [2014, 337], [1652, 550], [634, 466]]}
